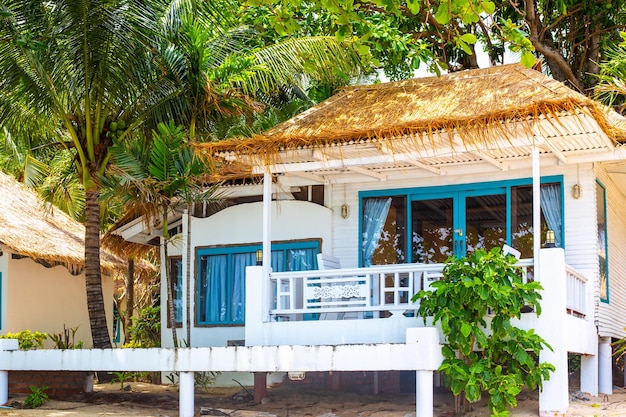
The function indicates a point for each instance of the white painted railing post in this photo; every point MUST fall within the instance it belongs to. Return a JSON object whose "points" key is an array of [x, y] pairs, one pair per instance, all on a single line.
{"points": [[6, 344], [254, 305], [426, 341], [554, 397], [186, 394]]}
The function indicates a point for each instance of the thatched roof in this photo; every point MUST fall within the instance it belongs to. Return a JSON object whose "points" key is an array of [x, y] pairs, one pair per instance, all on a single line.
{"points": [[29, 227], [470, 108]]}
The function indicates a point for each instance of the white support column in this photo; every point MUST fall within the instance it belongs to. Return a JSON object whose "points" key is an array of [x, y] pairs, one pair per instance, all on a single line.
{"points": [[589, 374], [254, 330], [267, 242], [186, 394], [424, 394], [538, 140], [186, 275], [605, 367], [6, 344], [554, 397], [427, 338]]}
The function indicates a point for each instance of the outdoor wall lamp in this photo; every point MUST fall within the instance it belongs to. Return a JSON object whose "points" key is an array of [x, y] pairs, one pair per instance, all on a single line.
{"points": [[576, 191], [550, 239], [259, 257], [345, 211]]}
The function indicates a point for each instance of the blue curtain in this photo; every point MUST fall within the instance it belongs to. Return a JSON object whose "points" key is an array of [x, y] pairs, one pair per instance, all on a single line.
{"points": [[216, 299], [240, 262], [374, 217], [278, 261], [301, 259], [551, 209]]}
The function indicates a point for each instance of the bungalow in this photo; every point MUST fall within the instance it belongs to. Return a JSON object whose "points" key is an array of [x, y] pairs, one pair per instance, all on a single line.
{"points": [[388, 181], [42, 283]]}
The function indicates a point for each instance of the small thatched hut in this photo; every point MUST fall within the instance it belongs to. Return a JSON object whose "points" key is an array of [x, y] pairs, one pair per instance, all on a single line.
{"points": [[42, 283]]}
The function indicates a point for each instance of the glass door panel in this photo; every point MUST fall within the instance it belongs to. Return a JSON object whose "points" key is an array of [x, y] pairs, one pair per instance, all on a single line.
{"points": [[432, 239], [485, 221]]}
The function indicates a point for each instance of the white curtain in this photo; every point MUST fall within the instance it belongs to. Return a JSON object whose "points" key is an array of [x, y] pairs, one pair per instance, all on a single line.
{"points": [[374, 217], [551, 209]]}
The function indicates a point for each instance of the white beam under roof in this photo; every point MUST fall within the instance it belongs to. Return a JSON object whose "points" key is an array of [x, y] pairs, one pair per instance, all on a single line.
{"points": [[309, 176], [490, 159], [367, 172], [417, 163], [557, 153]]}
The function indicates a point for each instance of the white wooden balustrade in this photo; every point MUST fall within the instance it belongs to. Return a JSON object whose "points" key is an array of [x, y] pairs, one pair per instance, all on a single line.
{"points": [[384, 290], [576, 292]]}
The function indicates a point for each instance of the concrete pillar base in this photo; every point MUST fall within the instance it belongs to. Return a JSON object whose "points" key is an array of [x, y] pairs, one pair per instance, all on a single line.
{"points": [[260, 386], [186, 394]]}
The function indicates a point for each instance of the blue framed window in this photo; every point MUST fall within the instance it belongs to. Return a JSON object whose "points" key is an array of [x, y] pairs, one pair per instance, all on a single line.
{"points": [[221, 276], [117, 325], [603, 244], [430, 224], [176, 280]]}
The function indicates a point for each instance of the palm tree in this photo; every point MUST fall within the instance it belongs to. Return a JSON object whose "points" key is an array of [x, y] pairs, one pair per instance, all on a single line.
{"points": [[226, 72], [155, 178], [88, 74], [71, 69]]}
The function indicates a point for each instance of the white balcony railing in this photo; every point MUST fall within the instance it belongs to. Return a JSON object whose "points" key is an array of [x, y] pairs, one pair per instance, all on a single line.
{"points": [[378, 291], [576, 292]]}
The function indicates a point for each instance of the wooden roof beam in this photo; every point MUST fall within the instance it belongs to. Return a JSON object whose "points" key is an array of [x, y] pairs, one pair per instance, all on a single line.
{"points": [[367, 172], [556, 152], [491, 160]]}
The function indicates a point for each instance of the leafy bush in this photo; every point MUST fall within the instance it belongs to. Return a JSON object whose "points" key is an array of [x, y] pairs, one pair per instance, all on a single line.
{"points": [[146, 329], [480, 356], [37, 397], [65, 340], [27, 340]]}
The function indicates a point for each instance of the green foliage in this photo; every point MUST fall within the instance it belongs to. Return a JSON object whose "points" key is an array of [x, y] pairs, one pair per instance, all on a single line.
{"points": [[37, 397], [65, 339], [202, 380], [474, 304], [122, 377], [145, 331], [27, 340], [205, 380]]}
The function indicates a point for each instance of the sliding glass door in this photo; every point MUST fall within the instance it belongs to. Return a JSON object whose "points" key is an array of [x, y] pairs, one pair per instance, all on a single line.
{"points": [[456, 223]]}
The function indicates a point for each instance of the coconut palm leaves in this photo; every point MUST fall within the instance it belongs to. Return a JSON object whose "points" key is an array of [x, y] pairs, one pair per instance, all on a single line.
{"points": [[224, 69]]}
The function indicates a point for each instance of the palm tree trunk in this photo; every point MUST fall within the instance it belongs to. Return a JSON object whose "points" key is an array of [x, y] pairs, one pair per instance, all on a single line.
{"points": [[93, 275], [130, 300]]}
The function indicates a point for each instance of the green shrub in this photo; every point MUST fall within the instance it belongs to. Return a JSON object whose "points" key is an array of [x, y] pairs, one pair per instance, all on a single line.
{"points": [[27, 340], [480, 356], [37, 397], [145, 331], [65, 340]]}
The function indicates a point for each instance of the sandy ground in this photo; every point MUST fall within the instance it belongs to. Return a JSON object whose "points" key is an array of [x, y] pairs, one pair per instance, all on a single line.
{"points": [[146, 400]]}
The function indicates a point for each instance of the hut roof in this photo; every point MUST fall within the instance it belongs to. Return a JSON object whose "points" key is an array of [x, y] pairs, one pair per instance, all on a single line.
{"points": [[29, 227], [470, 108]]}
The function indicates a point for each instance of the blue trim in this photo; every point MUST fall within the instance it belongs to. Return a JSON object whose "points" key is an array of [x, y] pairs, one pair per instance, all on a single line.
{"points": [[238, 249], [441, 189], [606, 241], [458, 192]]}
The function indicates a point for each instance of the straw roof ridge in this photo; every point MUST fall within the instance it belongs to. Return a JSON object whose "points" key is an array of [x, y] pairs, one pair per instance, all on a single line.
{"points": [[30, 229]]}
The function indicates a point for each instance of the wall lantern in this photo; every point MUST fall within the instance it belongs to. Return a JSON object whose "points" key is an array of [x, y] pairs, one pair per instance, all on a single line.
{"points": [[259, 257], [550, 239], [345, 211], [576, 191]]}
